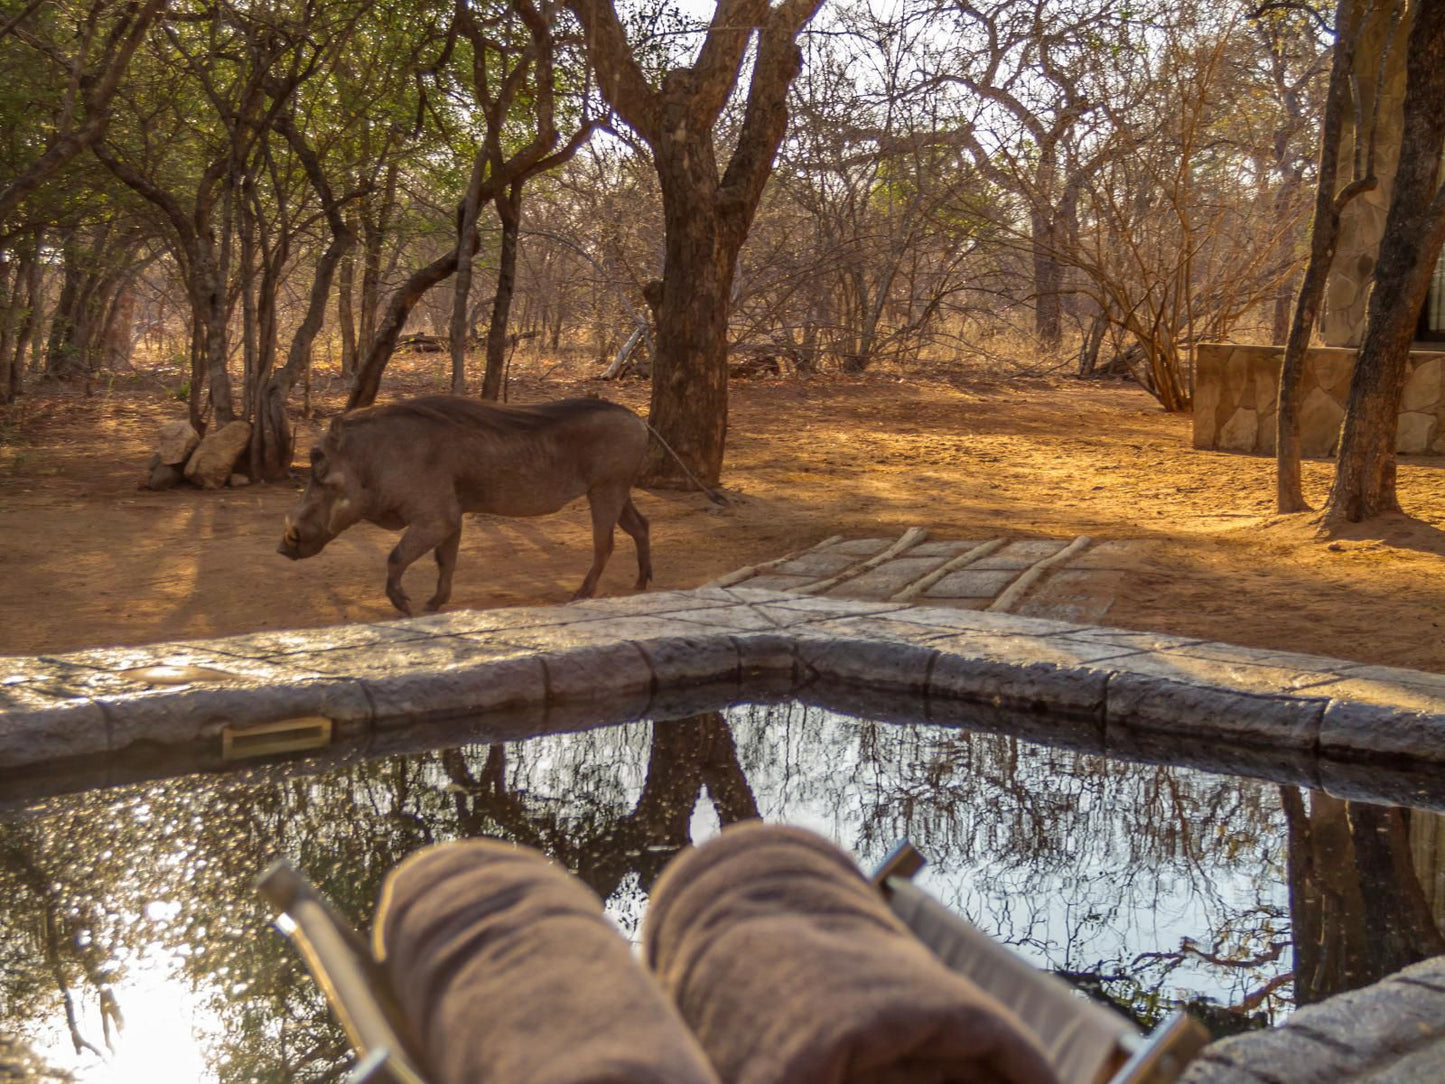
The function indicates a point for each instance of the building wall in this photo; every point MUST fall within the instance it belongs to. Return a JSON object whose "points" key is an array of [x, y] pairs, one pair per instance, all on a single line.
{"points": [[1236, 392]]}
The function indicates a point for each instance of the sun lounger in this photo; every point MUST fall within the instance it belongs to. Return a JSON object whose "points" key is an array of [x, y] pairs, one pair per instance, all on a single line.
{"points": [[1086, 1043]]}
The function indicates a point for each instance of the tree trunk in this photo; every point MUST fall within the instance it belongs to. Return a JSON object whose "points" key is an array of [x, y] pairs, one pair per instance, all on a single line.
{"points": [[116, 328], [461, 325], [272, 441], [1280, 324], [368, 374], [1398, 924], [509, 213], [29, 331], [11, 273], [198, 373], [1324, 238], [250, 354], [345, 317], [1327, 912], [60, 361], [1048, 280], [689, 372], [1364, 483], [215, 313], [373, 232]]}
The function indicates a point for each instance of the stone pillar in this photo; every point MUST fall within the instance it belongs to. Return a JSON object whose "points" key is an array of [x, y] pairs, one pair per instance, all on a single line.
{"points": [[1363, 222]]}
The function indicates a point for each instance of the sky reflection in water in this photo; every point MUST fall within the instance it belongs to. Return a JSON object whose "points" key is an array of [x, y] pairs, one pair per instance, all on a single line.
{"points": [[1150, 884]]}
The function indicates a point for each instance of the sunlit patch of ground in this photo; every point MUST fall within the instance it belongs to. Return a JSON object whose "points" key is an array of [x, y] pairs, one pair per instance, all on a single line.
{"points": [[87, 559]]}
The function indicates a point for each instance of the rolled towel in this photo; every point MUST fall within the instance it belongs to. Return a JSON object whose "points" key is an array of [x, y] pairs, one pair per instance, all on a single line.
{"points": [[789, 967], [508, 971]]}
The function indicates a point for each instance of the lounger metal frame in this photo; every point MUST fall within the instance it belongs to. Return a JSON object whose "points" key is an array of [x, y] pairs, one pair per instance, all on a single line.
{"points": [[354, 986], [1158, 1057]]}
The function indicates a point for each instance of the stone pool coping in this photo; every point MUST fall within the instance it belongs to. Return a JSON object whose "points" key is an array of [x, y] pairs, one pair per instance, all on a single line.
{"points": [[1319, 722]]}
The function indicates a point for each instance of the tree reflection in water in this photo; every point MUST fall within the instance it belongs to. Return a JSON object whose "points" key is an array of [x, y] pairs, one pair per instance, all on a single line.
{"points": [[1145, 884]]}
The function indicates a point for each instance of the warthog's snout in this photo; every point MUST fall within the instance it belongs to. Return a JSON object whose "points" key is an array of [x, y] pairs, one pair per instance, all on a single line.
{"points": [[291, 544]]}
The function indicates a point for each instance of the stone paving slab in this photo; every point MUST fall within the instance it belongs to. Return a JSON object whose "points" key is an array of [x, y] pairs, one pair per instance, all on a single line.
{"points": [[972, 582], [1129, 684], [1020, 555], [1073, 593], [817, 564], [1390, 1033], [862, 547], [944, 549], [890, 577], [1031, 575]]}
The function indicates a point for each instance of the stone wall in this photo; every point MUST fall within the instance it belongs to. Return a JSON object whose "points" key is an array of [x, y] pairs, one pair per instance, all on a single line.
{"points": [[1236, 388], [1363, 222]]}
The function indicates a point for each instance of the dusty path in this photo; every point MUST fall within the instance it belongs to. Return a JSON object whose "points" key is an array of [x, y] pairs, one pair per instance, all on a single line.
{"points": [[86, 559]]}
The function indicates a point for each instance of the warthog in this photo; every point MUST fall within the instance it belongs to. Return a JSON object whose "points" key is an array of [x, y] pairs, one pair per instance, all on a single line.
{"points": [[419, 465]]}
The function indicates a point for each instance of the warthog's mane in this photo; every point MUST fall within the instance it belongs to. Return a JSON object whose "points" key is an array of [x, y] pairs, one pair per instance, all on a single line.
{"points": [[473, 415]]}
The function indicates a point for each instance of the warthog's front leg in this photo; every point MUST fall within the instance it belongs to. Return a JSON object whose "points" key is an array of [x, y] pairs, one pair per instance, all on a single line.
{"points": [[446, 565], [417, 540], [635, 523]]}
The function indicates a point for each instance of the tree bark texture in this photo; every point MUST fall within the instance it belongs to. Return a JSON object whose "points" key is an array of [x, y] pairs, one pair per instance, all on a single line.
{"points": [[383, 341], [1399, 926], [272, 440], [1327, 913], [345, 314], [466, 250], [27, 334], [1048, 279], [509, 214], [1364, 484], [706, 216], [11, 273], [1324, 239]]}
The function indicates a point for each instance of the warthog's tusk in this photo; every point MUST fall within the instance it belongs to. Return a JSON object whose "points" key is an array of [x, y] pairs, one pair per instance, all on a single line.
{"points": [[291, 538]]}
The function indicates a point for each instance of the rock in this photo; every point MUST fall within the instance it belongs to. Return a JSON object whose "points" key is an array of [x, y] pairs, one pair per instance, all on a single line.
{"points": [[1319, 424], [239, 480], [215, 458], [163, 476], [1412, 435], [176, 442]]}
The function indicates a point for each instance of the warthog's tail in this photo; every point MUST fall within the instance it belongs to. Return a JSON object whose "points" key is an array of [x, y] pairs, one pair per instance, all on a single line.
{"points": [[713, 495]]}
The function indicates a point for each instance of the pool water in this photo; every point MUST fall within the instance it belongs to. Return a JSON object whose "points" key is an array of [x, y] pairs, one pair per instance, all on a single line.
{"points": [[134, 946]]}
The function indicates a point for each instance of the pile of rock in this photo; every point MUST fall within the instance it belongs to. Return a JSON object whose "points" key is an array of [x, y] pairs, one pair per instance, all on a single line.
{"points": [[182, 454]]}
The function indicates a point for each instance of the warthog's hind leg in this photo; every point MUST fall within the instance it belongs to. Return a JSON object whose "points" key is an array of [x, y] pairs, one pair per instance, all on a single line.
{"points": [[606, 505], [446, 564], [635, 523], [415, 541]]}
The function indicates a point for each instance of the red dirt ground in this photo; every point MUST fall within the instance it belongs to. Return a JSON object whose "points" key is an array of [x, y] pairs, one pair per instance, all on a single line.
{"points": [[87, 559]]}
